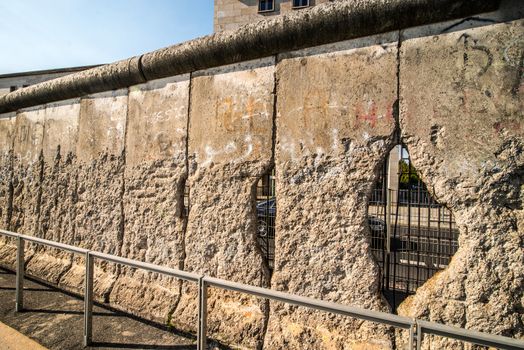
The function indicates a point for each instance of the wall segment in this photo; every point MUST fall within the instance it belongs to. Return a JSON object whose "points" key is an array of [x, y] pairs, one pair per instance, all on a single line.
{"points": [[154, 176], [464, 132], [230, 148], [55, 218], [335, 123], [7, 128], [99, 164]]}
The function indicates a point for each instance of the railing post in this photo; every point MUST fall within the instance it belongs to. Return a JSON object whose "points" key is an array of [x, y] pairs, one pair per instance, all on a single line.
{"points": [[419, 336], [412, 336], [88, 300], [202, 314], [20, 272]]}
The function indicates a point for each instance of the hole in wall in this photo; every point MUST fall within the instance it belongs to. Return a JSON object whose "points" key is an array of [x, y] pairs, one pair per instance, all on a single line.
{"points": [[187, 200], [412, 235], [266, 207]]}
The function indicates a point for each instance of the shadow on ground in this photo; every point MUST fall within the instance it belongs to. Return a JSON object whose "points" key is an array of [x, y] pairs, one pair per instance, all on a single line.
{"points": [[54, 318]]}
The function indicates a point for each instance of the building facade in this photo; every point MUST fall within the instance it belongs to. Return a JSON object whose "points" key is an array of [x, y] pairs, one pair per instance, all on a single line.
{"points": [[231, 14], [14, 81]]}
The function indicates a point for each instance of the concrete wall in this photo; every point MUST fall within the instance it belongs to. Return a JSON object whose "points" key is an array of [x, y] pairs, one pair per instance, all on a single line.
{"points": [[108, 172], [231, 14]]}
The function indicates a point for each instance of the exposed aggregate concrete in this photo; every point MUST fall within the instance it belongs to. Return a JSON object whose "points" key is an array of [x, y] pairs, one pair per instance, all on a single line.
{"points": [[464, 131], [335, 123], [155, 173], [108, 173], [99, 175], [7, 126], [229, 149], [58, 183]]}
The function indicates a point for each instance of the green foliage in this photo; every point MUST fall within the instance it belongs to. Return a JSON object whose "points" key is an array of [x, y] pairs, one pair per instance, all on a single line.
{"points": [[408, 175]]}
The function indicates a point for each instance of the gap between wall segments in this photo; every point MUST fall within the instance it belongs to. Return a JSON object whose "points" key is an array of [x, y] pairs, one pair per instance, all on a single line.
{"points": [[272, 165], [180, 194], [121, 229], [396, 106]]}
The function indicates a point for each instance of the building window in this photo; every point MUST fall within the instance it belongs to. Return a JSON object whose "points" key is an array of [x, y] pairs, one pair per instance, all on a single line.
{"points": [[12, 88], [266, 5], [300, 3]]}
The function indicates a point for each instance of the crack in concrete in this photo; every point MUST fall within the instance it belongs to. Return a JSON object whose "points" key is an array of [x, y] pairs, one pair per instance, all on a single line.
{"points": [[10, 190], [183, 216], [185, 181], [267, 312], [121, 228], [121, 231], [396, 105]]}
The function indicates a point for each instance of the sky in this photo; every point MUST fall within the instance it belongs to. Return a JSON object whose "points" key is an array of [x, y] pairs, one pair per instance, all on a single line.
{"points": [[47, 34]]}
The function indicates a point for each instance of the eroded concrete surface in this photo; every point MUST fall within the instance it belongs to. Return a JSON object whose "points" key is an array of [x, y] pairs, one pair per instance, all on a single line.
{"points": [[7, 127], [107, 172], [230, 147], [56, 214], [98, 206], [464, 131], [154, 176], [334, 125]]}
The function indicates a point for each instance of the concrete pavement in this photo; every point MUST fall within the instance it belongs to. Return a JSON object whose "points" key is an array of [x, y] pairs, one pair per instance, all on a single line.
{"points": [[55, 320], [10, 339]]}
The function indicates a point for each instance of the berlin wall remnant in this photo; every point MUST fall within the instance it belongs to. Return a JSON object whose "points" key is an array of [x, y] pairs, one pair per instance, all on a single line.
{"points": [[99, 165], [115, 168], [230, 148], [55, 217], [340, 20], [335, 124], [26, 176], [464, 130], [154, 177], [7, 246]]}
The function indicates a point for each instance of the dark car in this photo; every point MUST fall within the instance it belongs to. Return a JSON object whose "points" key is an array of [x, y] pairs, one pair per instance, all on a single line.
{"points": [[266, 212], [378, 232]]}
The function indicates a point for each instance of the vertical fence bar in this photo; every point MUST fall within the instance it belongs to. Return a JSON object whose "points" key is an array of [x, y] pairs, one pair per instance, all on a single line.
{"points": [[88, 300], [20, 261], [202, 314]]}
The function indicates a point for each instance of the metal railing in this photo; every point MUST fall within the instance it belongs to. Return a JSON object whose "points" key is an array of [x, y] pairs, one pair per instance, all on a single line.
{"points": [[416, 328]]}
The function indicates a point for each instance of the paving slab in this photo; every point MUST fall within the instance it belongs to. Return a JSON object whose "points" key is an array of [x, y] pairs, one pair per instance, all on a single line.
{"points": [[13, 340]]}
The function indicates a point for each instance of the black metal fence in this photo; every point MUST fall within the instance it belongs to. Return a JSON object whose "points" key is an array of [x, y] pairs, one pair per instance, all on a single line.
{"points": [[266, 213], [423, 235]]}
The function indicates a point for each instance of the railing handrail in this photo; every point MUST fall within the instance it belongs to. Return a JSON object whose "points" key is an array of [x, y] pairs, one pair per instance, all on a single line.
{"points": [[416, 327], [188, 276], [468, 335], [346, 310]]}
